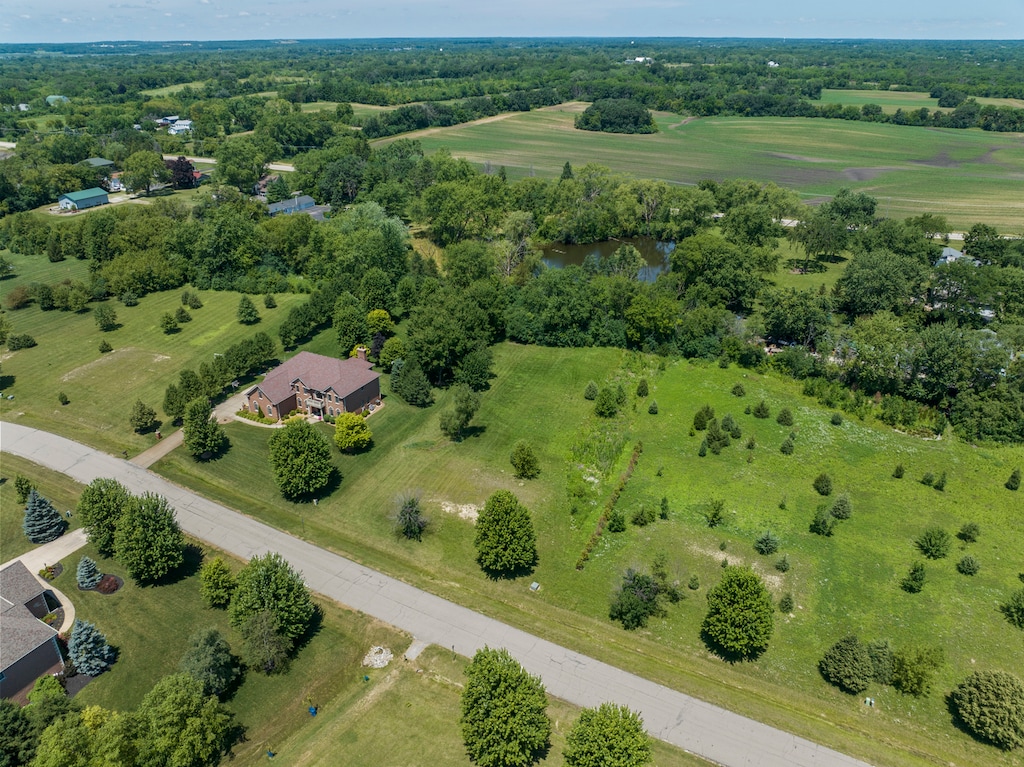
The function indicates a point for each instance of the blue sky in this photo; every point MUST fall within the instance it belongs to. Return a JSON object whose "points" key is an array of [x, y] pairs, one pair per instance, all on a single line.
{"points": [[28, 21]]}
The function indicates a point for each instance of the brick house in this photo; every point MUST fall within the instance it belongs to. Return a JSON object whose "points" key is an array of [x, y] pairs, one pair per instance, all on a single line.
{"points": [[318, 385], [28, 647]]}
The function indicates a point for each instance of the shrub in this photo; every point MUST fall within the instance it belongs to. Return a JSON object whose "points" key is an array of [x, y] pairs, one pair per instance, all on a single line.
{"points": [[968, 565], [88, 574], [620, 395], [642, 389], [786, 603], [934, 543], [715, 512], [913, 582], [928, 479], [616, 521], [842, 508], [62, 398], [823, 484], [652, 409], [22, 487], [636, 600], [663, 511], [823, 523], [782, 565], [738, 390], [591, 391], [913, 669], [881, 655], [18, 298], [269, 301], [751, 443], [969, 532], [786, 448], [409, 519], [746, 410], [694, 583], [761, 410], [1013, 609], [990, 705], [524, 460], [940, 483], [837, 419], [766, 543], [643, 515], [702, 417], [1013, 483], [20, 341], [847, 665], [897, 473], [105, 347], [785, 417], [703, 449]]}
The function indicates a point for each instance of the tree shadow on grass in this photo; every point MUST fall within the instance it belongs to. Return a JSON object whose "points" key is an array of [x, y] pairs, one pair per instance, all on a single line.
{"points": [[471, 432], [191, 561], [800, 266], [727, 655], [6, 382], [316, 624]]}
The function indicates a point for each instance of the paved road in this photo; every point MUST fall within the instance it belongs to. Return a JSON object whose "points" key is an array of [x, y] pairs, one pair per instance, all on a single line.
{"points": [[711, 732]]}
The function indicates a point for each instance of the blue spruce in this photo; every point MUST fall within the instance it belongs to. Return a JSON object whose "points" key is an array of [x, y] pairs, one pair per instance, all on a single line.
{"points": [[43, 523]]}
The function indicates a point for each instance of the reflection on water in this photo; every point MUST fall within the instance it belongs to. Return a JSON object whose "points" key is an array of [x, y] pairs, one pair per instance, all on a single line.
{"points": [[655, 252]]}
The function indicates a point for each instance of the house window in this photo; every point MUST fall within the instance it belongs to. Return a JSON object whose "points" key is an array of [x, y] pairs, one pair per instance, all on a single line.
{"points": [[261, 395], [330, 411], [270, 409]]}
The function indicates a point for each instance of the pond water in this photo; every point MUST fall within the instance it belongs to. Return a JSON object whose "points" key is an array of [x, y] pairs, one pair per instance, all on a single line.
{"points": [[656, 253]]}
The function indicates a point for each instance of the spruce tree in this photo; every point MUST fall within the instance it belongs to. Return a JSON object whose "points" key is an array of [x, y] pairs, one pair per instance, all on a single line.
{"points": [[43, 523], [88, 574], [88, 649], [1014, 481]]}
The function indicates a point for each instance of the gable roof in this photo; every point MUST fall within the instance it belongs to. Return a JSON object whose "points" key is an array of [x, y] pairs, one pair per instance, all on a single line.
{"points": [[287, 206], [97, 162], [317, 372], [84, 194], [20, 631]]}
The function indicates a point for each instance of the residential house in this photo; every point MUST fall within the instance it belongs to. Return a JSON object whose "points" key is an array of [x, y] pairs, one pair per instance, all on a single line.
{"points": [[301, 204], [98, 163], [86, 198], [952, 255], [179, 126], [28, 647], [318, 385]]}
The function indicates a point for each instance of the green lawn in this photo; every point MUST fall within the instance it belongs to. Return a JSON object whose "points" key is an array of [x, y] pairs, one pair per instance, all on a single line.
{"points": [[844, 584], [102, 387], [168, 90], [60, 489], [967, 175], [890, 101]]}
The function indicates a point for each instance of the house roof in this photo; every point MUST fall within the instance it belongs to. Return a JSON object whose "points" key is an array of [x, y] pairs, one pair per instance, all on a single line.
{"points": [[298, 203], [84, 194], [317, 372], [98, 162], [20, 631]]}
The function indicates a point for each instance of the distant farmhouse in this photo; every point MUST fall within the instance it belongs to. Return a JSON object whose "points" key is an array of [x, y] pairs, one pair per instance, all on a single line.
{"points": [[179, 126], [318, 385], [87, 198], [29, 646], [302, 204]]}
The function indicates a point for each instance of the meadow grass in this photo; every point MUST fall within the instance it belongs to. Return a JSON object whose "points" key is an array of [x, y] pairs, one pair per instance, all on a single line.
{"points": [[169, 90], [847, 583], [58, 488], [890, 101], [102, 387], [967, 175]]}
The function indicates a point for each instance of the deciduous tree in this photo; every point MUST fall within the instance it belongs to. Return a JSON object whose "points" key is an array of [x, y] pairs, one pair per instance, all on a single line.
{"points": [[210, 661], [505, 540], [740, 617], [524, 460], [351, 434], [180, 726], [301, 458], [142, 417], [99, 508], [148, 541], [216, 582], [607, 736], [204, 437], [270, 583]]}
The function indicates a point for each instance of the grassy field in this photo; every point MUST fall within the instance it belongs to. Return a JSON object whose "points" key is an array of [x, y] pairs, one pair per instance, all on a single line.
{"points": [[58, 488], [102, 387], [890, 101], [168, 90], [967, 175], [848, 583]]}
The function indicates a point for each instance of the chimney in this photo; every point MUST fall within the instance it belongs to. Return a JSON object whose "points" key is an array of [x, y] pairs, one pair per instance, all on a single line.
{"points": [[361, 353]]}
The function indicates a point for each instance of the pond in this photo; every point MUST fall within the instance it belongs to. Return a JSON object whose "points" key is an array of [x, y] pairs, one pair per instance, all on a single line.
{"points": [[656, 253]]}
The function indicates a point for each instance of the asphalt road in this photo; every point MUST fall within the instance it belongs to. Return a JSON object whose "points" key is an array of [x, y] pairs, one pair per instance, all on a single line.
{"points": [[698, 727]]}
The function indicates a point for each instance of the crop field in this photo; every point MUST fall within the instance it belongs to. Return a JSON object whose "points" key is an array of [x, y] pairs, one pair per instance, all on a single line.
{"points": [[967, 175], [890, 101], [102, 387], [844, 584]]}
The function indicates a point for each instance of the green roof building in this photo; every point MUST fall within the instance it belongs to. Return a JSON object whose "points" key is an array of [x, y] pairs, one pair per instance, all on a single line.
{"points": [[87, 198], [99, 163]]}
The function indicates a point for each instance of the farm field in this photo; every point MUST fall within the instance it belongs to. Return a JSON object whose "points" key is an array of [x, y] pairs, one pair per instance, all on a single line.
{"points": [[890, 101], [844, 584], [967, 175], [102, 387]]}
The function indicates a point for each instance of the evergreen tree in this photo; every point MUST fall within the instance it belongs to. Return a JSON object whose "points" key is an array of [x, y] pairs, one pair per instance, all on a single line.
{"points": [[88, 649], [42, 523], [1013, 483], [990, 704], [410, 383], [590, 392], [847, 664], [247, 313], [605, 404], [642, 389], [88, 574], [524, 460]]}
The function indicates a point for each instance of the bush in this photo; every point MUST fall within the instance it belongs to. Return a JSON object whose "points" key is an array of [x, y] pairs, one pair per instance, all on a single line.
{"points": [[842, 508], [636, 600], [837, 419], [823, 484], [1013, 609], [715, 512], [823, 522], [881, 655], [62, 398], [968, 565], [20, 341], [702, 417], [105, 347], [766, 543], [663, 511], [847, 665], [913, 582], [969, 532], [642, 389], [616, 521], [782, 565], [739, 391], [652, 409], [694, 583], [940, 483], [643, 515], [928, 479], [990, 705], [524, 460], [913, 669], [934, 543], [786, 603], [88, 574], [1013, 483], [761, 410], [897, 473], [410, 521], [591, 391], [703, 449], [785, 417], [786, 448]]}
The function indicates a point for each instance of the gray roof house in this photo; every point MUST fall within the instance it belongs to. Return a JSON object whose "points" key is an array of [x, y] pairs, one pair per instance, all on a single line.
{"points": [[99, 163], [28, 647], [86, 198]]}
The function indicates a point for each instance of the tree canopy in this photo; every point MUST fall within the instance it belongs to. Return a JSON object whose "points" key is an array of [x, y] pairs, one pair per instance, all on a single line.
{"points": [[505, 540], [740, 617], [607, 736], [148, 541], [301, 458], [269, 583]]}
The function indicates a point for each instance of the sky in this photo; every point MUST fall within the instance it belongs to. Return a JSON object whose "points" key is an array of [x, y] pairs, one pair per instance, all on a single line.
{"points": [[48, 21]]}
